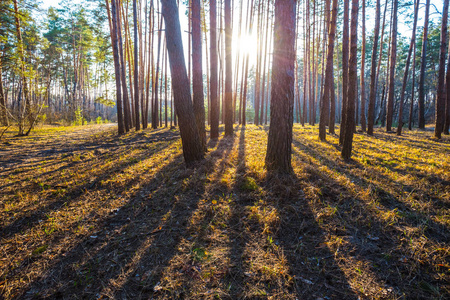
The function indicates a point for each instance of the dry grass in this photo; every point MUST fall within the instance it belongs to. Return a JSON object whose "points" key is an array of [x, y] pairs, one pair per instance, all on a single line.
{"points": [[87, 214]]}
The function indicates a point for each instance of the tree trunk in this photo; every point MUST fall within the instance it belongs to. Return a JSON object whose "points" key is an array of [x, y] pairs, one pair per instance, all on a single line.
{"points": [[113, 31], [393, 59], [325, 103], [352, 87], [126, 103], [405, 75], [345, 57], [136, 68], [213, 82], [228, 71], [423, 67], [3, 109], [278, 157], [447, 100], [155, 119], [197, 76], [363, 64], [192, 149], [411, 105], [440, 103]]}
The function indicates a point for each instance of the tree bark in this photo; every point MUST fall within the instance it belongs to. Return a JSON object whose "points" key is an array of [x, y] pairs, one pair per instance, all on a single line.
{"points": [[197, 75], [352, 87], [405, 75], [325, 103], [447, 100], [113, 31], [345, 58], [278, 157], [393, 59], [228, 71], [136, 67], [440, 103], [423, 67], [192, 149], [3, 109], [213, 81], [363, 64]]}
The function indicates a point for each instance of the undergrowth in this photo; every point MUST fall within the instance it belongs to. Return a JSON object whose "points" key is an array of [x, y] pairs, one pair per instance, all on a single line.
{"points": [[85, 213]]}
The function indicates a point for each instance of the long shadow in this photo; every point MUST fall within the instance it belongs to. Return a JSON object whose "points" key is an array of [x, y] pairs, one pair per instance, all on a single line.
{"points": [[313, 266], [388, 200], [194, 231], [91, 262], [370, 239], [235, 278], [92, 219], [72, 196]]}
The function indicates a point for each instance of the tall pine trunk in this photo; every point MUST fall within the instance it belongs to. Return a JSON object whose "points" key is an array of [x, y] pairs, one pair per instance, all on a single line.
{"points": [[192, 148], [440, 103], [228, 71], [213, 81], [352, 87], [393, 60], [278, 157], [325, 103], [423, 68], [363, 65], [345, 57], [197, 75], [405, 75]]}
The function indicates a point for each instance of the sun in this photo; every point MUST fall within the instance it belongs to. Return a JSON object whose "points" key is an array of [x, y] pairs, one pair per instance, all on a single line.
{"points": [[246, 44]]}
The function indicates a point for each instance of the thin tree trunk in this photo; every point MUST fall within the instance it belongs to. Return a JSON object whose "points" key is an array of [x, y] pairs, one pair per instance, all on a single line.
{"points": [[197, 75], [213, 89], [447, 100], [440, 103], [228, 71], [325, 103], [345, 58], [113, 30], [393, 60], [405, 75], [352, 87], [136, 67], [411, 105], [423, 68], [363, 64]]}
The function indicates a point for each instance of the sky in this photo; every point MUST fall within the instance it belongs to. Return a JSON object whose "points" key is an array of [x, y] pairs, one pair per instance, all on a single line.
{"points": [[248, 43]]}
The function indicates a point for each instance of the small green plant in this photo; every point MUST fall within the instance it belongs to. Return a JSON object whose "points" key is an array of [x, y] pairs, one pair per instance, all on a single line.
{"points": [[99, 120], [79, 119], [40, 250], [249, 184], [199, 254]]}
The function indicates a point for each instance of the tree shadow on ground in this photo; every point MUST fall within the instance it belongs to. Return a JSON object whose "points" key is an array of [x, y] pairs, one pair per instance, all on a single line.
{"points": [[380, 239]]}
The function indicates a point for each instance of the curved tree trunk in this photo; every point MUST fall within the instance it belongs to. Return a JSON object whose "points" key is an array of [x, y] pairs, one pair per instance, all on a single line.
{"points": [[192, 149]]}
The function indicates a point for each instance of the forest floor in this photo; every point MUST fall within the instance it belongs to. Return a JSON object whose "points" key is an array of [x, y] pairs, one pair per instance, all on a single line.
{"points": [[87, 214]]}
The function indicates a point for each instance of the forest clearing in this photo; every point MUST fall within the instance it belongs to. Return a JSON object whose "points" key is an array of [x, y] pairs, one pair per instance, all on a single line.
{"points": [[89, 214]]}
